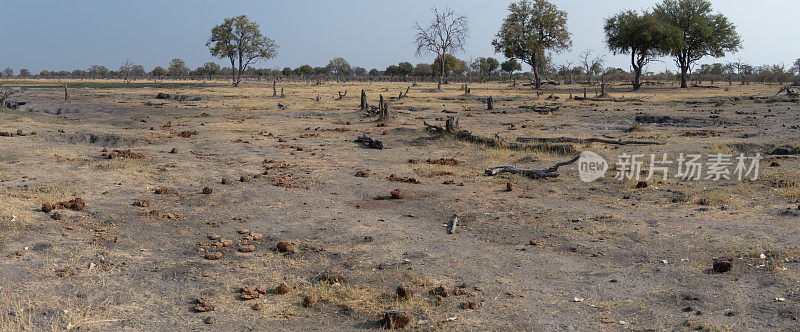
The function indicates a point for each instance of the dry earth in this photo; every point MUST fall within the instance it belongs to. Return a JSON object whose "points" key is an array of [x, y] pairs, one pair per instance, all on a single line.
{"points": [[551, 254]]}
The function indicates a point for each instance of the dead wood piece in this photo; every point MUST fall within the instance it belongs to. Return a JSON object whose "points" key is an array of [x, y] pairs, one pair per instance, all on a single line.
{"points": [[541, 109], [532, 173], [451, 127], [451, 227], [370, 142], [583, 140]]}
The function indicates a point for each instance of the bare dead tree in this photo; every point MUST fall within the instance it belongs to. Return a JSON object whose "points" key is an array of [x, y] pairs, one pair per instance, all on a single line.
{"points": [[447, 33], [592, 64]]}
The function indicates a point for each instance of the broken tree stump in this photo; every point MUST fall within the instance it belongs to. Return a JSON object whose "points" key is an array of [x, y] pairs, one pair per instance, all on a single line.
{"points": [[66, 94], [383, 109], [274, 88], [281, 92], [370, 142], [363, 100], [489, 103]]}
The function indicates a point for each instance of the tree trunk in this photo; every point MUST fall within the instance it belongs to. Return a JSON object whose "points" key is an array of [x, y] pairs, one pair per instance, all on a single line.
{"points": [[537, 80], [363, 100], [684, 69]]}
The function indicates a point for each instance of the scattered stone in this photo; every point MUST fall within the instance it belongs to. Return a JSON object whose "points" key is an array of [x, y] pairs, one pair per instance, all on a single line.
{"points": [[47, 207], [283, 288], [258, 306], [226, 181], [398, 194], [207, 190], [247, 248], [173, 151], [215, 255], [245, 293], [165, 191], [330, 277], [442, 291], [362, 174], [245, 178], [641, 185], [202, 305], [309, 301], [256, 236], [243, 231], [403, 179], [284, 246], [142, 203], [210, 320], [404, 291], [471, 305], [124, 154], [213, 237], [396, 319], [722, 265], [57, 216]]}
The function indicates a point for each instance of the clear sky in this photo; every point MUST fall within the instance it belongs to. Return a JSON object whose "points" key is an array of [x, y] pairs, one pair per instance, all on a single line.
{"points": [[75, 34]]}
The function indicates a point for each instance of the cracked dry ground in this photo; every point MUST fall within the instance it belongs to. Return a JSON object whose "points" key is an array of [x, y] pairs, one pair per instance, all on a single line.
{"points": [[154, 249]]}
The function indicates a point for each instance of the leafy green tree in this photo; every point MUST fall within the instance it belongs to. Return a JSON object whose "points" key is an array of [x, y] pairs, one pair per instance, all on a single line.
{"points": [[94, 71], [374, 72], [391, 70], [447, 33], [451, 65], [641, 35], [359, 71], [240, 40], [177, 68], [304, 70], [796, 67], [339, 66], [211, 69], [286, 71], [24, 73], [158, 72], [8, 72], [532, 28], [404, 69], [510, 66], [695, 32], [423, 70]]}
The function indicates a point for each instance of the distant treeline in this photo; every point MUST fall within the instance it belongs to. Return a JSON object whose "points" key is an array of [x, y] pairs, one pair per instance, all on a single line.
{"points": [[480, 70]]}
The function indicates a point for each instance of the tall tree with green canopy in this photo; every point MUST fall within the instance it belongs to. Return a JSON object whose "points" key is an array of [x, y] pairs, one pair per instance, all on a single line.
{"points": [[637, 34], [531, 28], [240, 40], [695, 32]]}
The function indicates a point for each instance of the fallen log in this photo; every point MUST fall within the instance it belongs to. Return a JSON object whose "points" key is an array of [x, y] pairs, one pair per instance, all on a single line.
{"points": [[532, 173], [541, 109], [584, 140], [370, 142], [452, 128]]}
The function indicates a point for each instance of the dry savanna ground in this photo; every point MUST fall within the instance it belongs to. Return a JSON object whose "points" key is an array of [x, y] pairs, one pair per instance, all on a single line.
{"points": [[183, 226]]}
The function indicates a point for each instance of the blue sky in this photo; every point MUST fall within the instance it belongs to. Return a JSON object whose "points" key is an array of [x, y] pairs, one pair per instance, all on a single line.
{"points": [[61, 35]]}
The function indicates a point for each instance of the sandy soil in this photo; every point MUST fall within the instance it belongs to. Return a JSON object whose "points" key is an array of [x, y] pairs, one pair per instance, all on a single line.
{"points": [[551, 254]]}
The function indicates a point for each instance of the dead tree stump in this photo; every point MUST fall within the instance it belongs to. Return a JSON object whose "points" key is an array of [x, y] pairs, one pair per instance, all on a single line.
{"points": [[383, 109], [489, 103], [66, 94], [281, 92], [274, 88], [363, 100]]}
